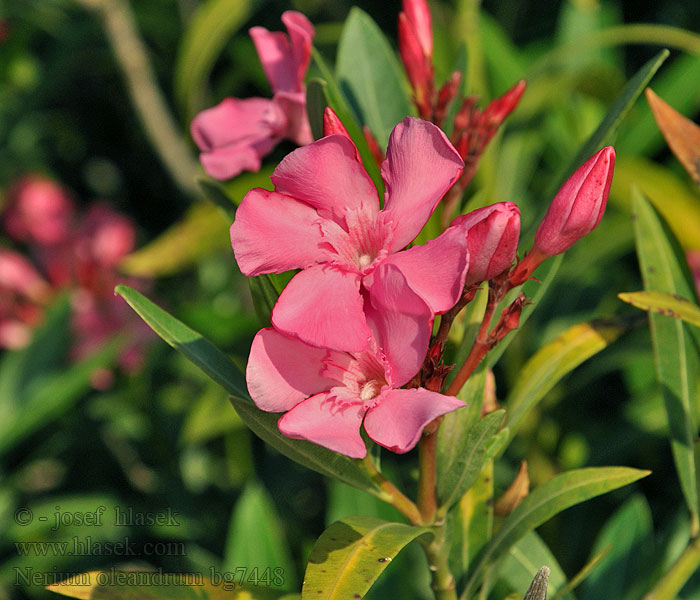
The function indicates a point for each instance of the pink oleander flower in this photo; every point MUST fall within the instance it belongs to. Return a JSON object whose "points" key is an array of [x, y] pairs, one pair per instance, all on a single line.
{"points": [[324, 217], [327, 394], [38, 211], [236, 134], [492, 240], [23, 294], [575, 211]]}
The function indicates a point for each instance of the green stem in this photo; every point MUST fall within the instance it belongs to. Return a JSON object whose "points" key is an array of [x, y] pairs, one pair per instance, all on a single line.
{"points": [[673, 581], [391, 494], [436, 551]]}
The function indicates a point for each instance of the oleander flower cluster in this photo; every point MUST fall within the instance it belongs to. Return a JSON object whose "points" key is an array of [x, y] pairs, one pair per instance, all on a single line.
{"points": [[70, 252], [351, 342]]}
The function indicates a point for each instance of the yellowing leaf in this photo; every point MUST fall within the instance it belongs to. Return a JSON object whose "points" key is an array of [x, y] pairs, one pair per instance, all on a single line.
{"points": [[664, 303]]}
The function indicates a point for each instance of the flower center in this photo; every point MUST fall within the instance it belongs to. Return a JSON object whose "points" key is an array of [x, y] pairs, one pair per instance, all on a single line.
{"points": [[370, 390]]}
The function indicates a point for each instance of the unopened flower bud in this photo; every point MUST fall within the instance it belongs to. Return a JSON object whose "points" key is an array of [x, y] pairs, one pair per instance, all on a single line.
{"points": [[418, 15], [492, 239], [578, 206]]}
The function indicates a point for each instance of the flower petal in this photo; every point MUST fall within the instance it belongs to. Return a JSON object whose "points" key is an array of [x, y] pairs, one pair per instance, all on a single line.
{"points": [[401, 321], [274, 233], [322, 306], [327, 175], [436, 270], [283, 371], [324, 421], [398, 419], [293, 105], [420, 166], [301, 32]]}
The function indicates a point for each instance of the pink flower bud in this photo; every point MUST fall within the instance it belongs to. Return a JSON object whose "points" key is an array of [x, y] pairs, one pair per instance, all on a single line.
{"points": [[418, 15], [499, 108], [417, 65], [492, 239], [39, 211], [333, 125], [578, 206]]}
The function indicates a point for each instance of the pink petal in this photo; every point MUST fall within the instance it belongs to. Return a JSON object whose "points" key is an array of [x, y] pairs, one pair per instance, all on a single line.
{"points": [[401, 321], [398, 420], [327, 176], [293, 105], [283, 371], [274, 233], [324, 421], [19, 276], [322, 306], [234, 121], [235, 134], [301, 32], [436, 271], [420, 166]]}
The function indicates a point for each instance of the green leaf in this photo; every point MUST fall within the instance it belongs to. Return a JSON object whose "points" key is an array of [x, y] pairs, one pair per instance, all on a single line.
{"points": [[256, 539], [209, 30], [552, 362], [676, 354], [664, 303], [154, 585], [264, 297], [196, 348], [216, 193], [455, 478], [337, 100], [312, 456], [625, 572], [549, 499], [524, 558], [371, 76], [315, 105], [351, 554]]}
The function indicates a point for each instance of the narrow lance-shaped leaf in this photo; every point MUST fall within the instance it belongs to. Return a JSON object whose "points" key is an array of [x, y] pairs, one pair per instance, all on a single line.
{"points": [[552, 362], [456, 478], [549, 499], [223, 371], [663, 303], [315, 105], [369, 73], [675, 351], [351, 555]]}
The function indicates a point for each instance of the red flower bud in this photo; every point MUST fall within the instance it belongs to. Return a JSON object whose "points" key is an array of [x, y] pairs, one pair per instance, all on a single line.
{"points": [[499, 108], [578, 206], [418, 15], [417, 64], [332, 125], [492, 239]]}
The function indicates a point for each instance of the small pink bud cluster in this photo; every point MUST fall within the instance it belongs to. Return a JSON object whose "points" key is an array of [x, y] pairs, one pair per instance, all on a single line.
{"points": [[78, 253]]}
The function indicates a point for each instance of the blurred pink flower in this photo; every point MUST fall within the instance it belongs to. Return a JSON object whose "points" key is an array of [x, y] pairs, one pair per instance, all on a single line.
{"points": [[236, 134], [38, 211], [693, 257], [327, 395], [324, 217], [492, 239], [23, 293], [76, 254]]}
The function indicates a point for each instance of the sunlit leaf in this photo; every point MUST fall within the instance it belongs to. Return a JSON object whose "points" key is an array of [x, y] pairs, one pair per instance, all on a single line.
{"points": [[664, 303], [351, 554]]}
